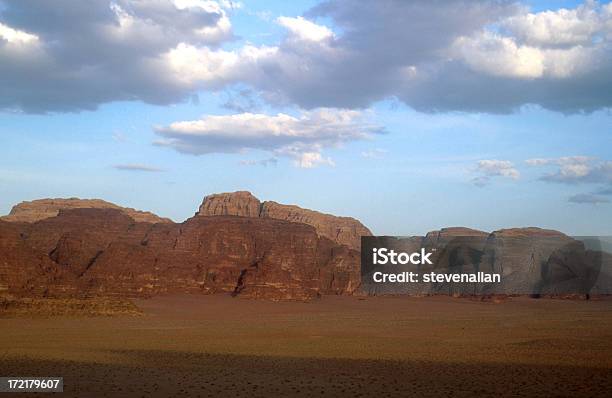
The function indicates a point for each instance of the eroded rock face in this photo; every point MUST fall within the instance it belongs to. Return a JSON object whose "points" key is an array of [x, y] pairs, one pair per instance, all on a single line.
{"points": [[238, 245], [40, 209], [343, 230], [531, 261], [520, 255], [241, 203], [446, 235], [22, 269], [90, 252]]}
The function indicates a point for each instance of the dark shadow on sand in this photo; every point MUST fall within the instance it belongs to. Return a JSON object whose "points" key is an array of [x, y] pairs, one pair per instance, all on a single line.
{"points": [[162, 374]]}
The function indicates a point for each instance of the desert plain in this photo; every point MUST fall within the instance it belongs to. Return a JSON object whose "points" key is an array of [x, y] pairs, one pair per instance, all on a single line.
{"points": [[218, 345]]}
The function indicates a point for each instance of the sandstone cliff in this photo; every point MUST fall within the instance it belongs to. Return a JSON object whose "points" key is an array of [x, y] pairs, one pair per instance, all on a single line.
{"points": [[240, 203], [93, 252], [44, 208], [343, 230], [239, 245]]}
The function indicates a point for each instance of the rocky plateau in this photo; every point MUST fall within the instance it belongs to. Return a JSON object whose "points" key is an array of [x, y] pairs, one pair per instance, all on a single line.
{"points": [[237, 244]]}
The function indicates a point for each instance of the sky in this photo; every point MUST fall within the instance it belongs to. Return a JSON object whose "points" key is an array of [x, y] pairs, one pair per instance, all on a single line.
{"points": [[410, 116]]}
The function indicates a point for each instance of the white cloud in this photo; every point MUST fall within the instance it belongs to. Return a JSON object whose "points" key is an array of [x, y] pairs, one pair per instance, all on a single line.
{"points": [[502, 168], [14, 36], [562, 27], [489, 168], [570, 167], [575, 169], [203, 67], [531, 58], [308, 160], [301, 138], [502, 56], [575, 173], [69, 56], [499, 56], [433, 56], [304, 29], [579, 170], [556, 44], [579, 159]]}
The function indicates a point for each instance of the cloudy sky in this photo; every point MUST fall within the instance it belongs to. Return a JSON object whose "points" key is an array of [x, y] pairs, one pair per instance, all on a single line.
{"points": [[409, 115]]}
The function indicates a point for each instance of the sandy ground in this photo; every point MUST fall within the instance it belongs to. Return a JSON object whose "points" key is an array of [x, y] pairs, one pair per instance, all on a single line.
{"points": [[336, 346]]}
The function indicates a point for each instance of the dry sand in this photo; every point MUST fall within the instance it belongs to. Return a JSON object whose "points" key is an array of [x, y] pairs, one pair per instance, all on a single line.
{"points": [[336, 346]]}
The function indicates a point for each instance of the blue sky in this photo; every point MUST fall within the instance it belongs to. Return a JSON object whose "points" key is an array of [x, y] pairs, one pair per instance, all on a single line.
{"points": [[420, 168]]}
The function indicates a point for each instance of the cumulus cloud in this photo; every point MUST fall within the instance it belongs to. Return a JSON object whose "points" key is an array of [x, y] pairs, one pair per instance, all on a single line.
{"points": [[16, 37], [549, 44], [137, 167], [308, 160], [575, 170], [303, 29], [502, 56], [66, 55], [502, 168], [432, 55], [585, 198], [489, 168], [302, 138], [441, 56], [564, 27]]}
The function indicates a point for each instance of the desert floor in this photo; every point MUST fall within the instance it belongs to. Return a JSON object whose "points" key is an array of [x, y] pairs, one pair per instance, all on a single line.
{"points": [[335, 346]]}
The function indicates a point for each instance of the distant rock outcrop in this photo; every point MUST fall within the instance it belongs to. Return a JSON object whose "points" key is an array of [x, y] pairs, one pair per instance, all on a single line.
{"points": [[241, 203], [521, 256], [343, 230], [40, 209], [531, 261], [446, 235]]}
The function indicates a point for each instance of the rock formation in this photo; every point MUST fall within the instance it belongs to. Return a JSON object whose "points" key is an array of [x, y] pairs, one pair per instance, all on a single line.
{"points": [[342, 230], [104, 252], [236, 244], [44, 208], [241, 203], [446, 235], [531, 261]]}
